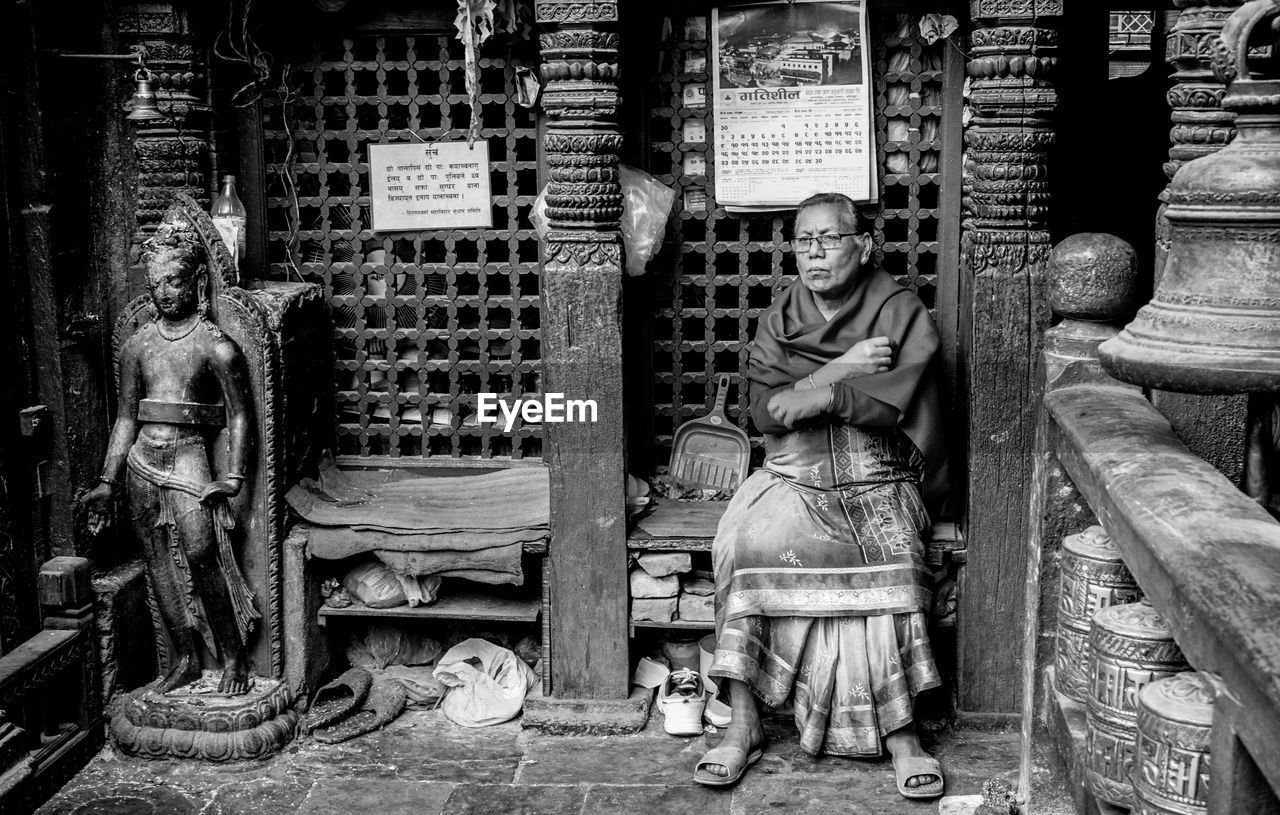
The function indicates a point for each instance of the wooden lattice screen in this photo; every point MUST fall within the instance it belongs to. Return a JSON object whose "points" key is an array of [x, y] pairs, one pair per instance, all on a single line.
{"points": [[718, 271], [423, 320]]}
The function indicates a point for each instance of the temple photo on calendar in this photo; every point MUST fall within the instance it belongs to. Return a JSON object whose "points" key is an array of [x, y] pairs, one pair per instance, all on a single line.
{"points": [[778, 45]]}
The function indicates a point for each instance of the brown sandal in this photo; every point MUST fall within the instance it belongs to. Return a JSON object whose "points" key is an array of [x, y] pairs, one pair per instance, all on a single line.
{"points": [[719, 755], [904, 769]]}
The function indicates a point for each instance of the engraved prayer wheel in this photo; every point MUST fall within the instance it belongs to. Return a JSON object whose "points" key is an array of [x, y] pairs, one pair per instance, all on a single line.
{"points": [[1093, 577], [1131, 647], [1213, 325], [1171, 760]]}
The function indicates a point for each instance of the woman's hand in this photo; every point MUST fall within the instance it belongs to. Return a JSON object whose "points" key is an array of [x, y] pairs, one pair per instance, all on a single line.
{"points": [[871, 356], [227, 489], [97, 503], [791, 406]]}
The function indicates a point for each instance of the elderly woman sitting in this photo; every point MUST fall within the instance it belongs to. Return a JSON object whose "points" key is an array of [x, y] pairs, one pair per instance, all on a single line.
{"points": [[821, 587]]}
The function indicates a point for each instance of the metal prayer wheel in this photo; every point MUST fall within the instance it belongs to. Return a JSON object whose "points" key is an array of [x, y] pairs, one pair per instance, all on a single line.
{"points": [[1213, 325], [1131, 647], [1171, 760], [1093, 577]]}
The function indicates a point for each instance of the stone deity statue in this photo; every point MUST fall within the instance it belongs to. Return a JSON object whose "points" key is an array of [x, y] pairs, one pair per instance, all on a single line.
{"points": [[184, 387]]}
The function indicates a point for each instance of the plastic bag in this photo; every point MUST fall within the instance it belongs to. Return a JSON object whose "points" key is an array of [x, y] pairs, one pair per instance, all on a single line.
{"points": [[487, 684], [646, 205], [420, 685], [421, 590], [374, 585]]}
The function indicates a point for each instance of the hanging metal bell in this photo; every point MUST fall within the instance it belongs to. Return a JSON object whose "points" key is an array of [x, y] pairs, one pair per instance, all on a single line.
{"points": [[142, 107], [1213, 325]]}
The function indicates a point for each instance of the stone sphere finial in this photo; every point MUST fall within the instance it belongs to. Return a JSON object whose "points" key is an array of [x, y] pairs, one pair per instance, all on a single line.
{"points": [[1093, 276]]}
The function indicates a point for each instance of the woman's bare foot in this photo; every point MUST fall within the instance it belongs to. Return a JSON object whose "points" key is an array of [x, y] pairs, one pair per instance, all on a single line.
{"points": [[905, 743], [744, 734]]}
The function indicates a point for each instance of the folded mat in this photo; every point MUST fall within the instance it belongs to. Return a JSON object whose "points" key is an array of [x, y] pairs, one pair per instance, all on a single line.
{"points": [[337, 542], [513, 499], [473, 527], [500, 565]]}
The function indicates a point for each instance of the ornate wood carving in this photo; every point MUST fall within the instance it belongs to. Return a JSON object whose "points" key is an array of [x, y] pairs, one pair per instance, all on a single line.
{"points": [[582, 346], [51, 683], [173, 153], [1004, 246], [1200, 125], [580, 69]]}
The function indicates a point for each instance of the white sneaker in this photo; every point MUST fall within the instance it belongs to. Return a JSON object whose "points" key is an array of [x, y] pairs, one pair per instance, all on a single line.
{"points": [[681, 701]]}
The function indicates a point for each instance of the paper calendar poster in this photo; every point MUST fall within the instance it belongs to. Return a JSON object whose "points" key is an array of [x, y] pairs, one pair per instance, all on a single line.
{"points": [[791, 103], [419, 187]]}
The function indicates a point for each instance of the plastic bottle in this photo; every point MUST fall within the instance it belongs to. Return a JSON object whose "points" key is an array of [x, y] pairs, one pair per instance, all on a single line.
{"points": [[229, 216]]}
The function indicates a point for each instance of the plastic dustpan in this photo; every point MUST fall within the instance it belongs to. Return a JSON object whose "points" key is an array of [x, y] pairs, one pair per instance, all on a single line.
{"points": [[711, 452]]}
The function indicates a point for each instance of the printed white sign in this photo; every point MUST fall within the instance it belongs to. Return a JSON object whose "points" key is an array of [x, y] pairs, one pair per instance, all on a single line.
{"points": [[792, 103], [420, 187]]}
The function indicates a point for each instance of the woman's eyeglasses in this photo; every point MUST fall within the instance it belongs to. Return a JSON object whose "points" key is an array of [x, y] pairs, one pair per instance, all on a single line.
{"points": [[829, 242]]}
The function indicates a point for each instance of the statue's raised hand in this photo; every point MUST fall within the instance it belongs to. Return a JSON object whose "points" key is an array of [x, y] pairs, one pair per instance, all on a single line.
{"points": [[871, 356], [221, 489], [97, 502]]}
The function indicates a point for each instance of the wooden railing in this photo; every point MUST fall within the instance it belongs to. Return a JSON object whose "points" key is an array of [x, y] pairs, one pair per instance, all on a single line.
{"points": [[50, 696], [1205, 555]]}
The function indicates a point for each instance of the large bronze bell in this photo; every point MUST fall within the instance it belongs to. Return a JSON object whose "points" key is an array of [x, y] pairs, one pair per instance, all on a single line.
{"points": [[1213, 325]]}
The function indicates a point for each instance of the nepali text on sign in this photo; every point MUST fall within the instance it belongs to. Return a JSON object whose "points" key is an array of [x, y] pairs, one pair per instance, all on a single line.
{"points": [[419, 187]]}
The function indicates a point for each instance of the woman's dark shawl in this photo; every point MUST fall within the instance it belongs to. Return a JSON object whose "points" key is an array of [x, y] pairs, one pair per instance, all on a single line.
{"points": [[793, 340]]}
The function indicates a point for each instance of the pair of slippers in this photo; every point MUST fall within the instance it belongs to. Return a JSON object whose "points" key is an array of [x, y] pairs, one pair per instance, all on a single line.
{"points": [[352, 705], [737, 763]]}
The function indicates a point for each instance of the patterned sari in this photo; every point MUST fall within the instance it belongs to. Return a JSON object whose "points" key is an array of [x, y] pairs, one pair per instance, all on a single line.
{"points": [[821, 586]]}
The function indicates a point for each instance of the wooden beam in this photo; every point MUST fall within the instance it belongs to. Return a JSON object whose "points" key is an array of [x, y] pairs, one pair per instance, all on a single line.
{"points": [[582, 348], [1004, 244], [37, 227], [1057, 510], [951, 321], [1206, 556], [1236, 784], [253, 188], [27, 668]]}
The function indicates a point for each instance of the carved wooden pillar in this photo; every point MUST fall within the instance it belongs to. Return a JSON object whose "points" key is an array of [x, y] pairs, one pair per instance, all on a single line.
{"points": [[1212, 426], [1004, 246], [582, 347], [1200, 125], [173, 153]]}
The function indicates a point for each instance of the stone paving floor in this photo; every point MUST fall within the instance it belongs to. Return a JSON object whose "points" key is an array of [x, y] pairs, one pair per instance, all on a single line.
{"points": [[423, 765]]}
